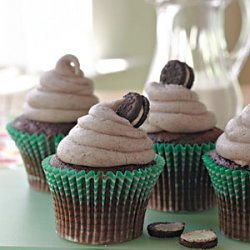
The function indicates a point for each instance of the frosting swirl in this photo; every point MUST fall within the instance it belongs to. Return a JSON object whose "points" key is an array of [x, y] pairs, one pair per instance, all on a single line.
{"points": [[104, 139], [63, 94], [234, 143], [176, 109]]}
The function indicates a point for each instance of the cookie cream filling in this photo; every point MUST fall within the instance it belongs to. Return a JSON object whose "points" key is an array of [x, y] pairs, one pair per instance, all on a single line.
{"points": [[174, 226], [63, 94], [138, 117], [187, 76], [199, 236]]}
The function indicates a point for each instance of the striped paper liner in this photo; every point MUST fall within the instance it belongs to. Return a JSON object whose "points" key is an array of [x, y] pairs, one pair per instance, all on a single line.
{"points": [[98, 207], [33, 149], [232, 188], [184, 185]]}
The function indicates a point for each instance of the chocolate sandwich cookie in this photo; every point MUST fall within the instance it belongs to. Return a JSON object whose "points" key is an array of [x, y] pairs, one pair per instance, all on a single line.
{"points": [[165, 229], [178, 73], [203, 239], [134, 108]]}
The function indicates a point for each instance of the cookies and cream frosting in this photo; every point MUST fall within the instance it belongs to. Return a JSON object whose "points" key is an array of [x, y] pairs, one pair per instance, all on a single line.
{"points": [[63, 94], [104, 139], [176, 109], [234, 143]]}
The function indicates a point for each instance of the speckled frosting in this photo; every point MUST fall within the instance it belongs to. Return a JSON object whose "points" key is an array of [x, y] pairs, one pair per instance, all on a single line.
{"points": [[234, 143], [104, 139], [63, 94], [175, 109]]}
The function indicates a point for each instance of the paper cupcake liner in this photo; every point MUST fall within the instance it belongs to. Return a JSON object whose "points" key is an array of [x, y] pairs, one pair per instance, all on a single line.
{"points": [[33, 149], [232, 188], [98, 207], [184, 185]]}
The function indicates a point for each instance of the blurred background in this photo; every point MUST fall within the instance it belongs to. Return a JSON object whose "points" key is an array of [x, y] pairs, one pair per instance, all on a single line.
{"points": [[113, 39]]}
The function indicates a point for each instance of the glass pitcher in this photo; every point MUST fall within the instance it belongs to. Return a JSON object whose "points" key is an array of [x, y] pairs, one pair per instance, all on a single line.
{"points": [[193, 31]]}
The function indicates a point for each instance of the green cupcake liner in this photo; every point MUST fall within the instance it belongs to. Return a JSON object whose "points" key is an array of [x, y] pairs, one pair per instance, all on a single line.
{"points": [[184, 185], [232, 188], [33, 149], [101, 207]]}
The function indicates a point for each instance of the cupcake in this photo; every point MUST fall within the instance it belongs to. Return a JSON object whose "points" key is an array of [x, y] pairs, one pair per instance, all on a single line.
{"points": [[50, 111], [102, 174], [182, 131], [229, 168]]}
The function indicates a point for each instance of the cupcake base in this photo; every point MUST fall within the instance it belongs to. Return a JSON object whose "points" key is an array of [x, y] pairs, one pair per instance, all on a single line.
{"points": [[232, 187], [100, 207], [184, 185], [33, 149], [234, 218], [89, 223], [35, 174]]}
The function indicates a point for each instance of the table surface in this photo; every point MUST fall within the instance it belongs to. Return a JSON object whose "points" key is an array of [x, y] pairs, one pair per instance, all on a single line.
{"points": [[27, 221]]}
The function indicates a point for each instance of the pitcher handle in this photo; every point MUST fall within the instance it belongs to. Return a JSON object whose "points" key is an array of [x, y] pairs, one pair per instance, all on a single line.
{"points": [[238, 56]]}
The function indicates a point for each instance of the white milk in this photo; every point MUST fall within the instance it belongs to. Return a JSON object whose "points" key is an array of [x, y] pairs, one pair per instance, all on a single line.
{"points": [[224, 100]]}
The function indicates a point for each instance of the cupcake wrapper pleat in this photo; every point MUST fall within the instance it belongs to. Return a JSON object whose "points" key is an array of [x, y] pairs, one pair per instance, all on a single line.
{"points": [[184, 185], [33, 149], [232, 188], [101, 207]]}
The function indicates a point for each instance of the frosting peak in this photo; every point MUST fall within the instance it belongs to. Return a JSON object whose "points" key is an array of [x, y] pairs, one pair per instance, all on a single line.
{"points": [[64, 66], [63, 94], [104, 139], [234, 143], [176, 109]]}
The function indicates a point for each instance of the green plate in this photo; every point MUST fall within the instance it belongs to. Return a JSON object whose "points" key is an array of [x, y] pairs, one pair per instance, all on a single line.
{"points": [[27, 221]]}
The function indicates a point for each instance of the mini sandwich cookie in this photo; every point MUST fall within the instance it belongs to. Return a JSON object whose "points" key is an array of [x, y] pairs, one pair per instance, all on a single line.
{"points": [[178, 73], [165, 229], [203, 239], [134, 108]]}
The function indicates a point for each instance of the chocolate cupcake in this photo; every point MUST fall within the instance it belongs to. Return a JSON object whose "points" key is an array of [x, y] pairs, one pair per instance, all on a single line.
{"points": [[229, 168], [50, 111], [182, 131], [103, 173]]}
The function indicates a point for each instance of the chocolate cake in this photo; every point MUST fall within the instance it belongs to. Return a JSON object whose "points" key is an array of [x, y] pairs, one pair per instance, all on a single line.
{"points": [[57, 163], [26, 125], [166, 137]]}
